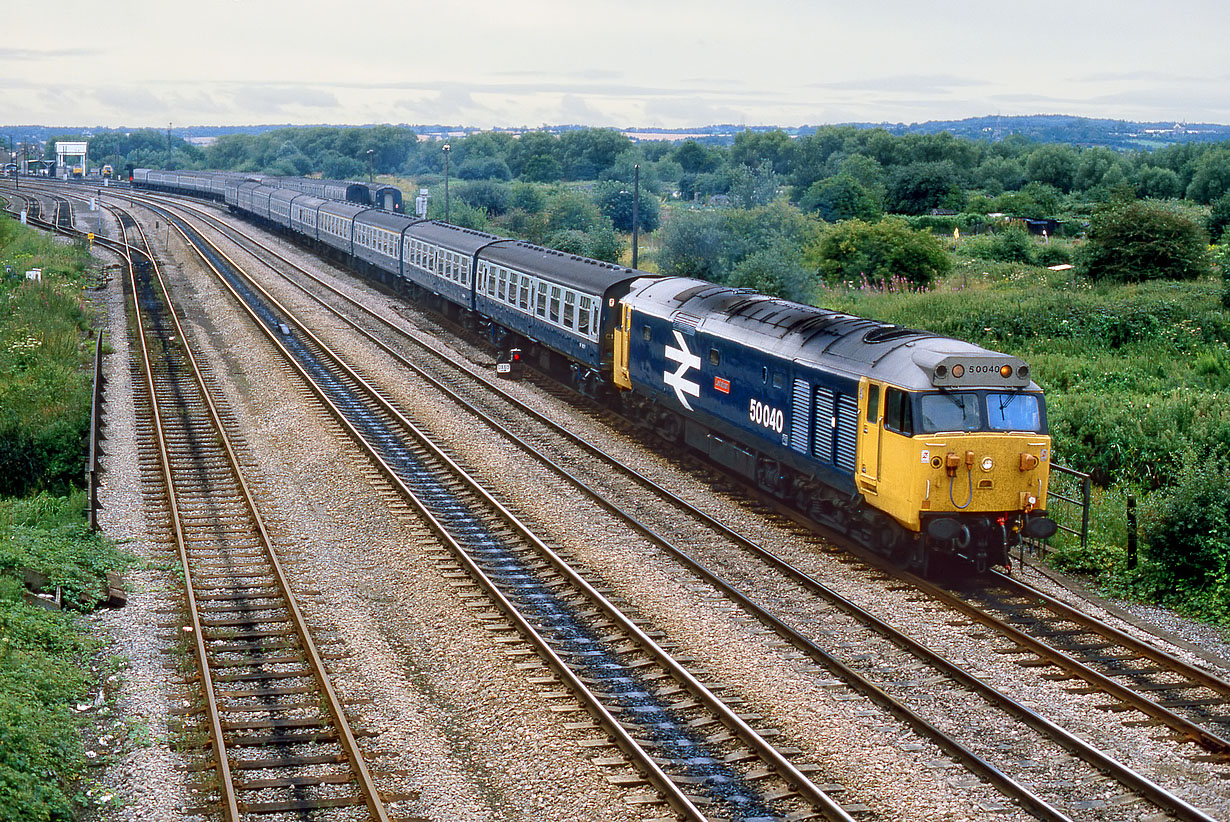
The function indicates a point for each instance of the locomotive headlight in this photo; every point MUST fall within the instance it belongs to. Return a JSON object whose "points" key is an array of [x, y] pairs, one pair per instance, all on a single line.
{"points": [[987, 463], [1005, 371], [958, 371]]}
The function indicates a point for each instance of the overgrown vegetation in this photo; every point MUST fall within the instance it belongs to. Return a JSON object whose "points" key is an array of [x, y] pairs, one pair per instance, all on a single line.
{"points": [[46, 665]]}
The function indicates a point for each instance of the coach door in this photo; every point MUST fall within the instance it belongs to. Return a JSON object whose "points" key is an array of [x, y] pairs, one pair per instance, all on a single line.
{"points": [[870, 402]]}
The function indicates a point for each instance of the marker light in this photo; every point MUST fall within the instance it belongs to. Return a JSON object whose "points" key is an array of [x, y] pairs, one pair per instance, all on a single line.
{"points": [[987, 463], [941, 370], [958, 371], [1023, 371], [1005, 371]]}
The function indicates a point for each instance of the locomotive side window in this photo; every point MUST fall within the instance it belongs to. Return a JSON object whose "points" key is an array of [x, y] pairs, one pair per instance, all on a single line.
{"points": [[873, 403], [778, 380], [951, 412], [898, 415], [646, 334], [1013, 412], [715, 357]]}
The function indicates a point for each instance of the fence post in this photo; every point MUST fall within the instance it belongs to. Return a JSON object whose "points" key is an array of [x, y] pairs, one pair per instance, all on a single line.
{"points": [[1131, 535], [1086, 487], [95, 425]]}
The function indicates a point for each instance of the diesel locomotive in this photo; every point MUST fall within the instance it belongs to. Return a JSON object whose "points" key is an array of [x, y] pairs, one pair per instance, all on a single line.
{"points": [[917, 445]]}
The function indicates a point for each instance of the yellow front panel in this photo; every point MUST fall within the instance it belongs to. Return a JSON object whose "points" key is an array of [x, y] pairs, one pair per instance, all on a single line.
{"points": [[914, 479]]}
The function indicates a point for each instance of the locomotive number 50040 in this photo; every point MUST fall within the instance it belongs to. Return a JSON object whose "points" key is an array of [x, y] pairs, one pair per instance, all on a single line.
{"points": [[772, 418]]}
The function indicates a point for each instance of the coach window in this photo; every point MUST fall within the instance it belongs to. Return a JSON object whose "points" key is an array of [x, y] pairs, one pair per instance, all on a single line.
{"points": [[555, 289], [583, 316], [898, 415], [570, 309], [525, 293], [542, 299]]}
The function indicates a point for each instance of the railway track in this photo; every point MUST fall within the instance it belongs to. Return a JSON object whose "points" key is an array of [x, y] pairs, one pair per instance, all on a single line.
{"points": [[279, 742], [677, 735], [780, 620]]}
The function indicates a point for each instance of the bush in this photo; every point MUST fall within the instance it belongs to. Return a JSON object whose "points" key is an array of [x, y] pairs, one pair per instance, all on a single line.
{"points": [[1187, 538], [1138, 240], [881, 253], [1010, 245], [1052, 253]]}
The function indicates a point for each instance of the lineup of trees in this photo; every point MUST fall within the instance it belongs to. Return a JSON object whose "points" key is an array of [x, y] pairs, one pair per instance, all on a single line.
{"points": [[799, 208]]}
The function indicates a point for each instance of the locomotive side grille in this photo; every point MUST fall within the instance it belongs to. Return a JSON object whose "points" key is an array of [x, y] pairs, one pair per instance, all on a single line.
{"points": [[847, 431], [826, 422], [800, 418]]}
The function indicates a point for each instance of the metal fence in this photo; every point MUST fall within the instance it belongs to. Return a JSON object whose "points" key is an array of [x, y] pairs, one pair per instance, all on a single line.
{"points": [[1067, 502]]}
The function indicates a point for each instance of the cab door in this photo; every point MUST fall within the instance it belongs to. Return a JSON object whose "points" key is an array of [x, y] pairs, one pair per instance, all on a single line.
{"points": [[870, 411]]}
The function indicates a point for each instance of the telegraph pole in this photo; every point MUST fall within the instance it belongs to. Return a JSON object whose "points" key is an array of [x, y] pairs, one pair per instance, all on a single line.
{"points": [[636, 209]]}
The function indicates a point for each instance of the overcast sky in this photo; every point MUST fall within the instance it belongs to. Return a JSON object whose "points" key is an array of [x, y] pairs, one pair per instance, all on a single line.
{"points": [[654, 63]]}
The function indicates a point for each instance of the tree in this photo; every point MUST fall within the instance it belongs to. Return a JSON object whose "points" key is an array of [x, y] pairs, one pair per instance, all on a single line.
{"points": [[918, 187], [1054, 165], [1157, 182], [1219, 218], [840, 198], [753, 187], [883, 253], [572, 210], [528, 198], [1210, 177], [752, 148], [1138, 240], [614, 199], [692, 245], [777, 270], [484, 168], [488, 195], [694, 158], [999, 174]]}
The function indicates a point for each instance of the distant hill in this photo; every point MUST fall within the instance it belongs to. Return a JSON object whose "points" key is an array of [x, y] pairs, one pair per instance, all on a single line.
{"points": [[1042, 128]]}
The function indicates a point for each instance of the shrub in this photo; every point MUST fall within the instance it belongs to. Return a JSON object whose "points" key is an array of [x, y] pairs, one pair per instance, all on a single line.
{"points": [[1187, 536], [1052, 254], [1139, 240], [1010, 245], [880, 252]]}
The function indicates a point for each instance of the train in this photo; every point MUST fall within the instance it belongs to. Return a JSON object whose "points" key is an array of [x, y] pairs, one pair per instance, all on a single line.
{"points": [[209, 184], [919, 446]]}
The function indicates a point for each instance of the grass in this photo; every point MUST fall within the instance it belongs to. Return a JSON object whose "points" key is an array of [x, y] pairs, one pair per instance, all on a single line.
{"points": [[49, 662]]}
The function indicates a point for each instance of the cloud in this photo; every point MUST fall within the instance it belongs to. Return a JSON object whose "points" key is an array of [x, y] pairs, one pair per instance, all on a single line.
{"points": [[25, 55], [266, 99]]}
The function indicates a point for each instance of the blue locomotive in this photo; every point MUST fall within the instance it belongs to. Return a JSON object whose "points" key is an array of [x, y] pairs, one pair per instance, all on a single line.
{"points": [[917, 445]]}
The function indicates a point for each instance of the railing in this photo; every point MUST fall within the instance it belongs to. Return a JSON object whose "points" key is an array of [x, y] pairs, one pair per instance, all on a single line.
{"points": [[1067, 503], [93, 469]]}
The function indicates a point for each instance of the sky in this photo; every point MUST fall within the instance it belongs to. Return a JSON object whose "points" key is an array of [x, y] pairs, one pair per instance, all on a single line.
{"points": [[616, 63]]}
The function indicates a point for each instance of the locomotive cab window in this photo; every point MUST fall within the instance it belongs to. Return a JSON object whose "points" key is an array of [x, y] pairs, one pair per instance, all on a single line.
{"points": [[898, 414], [951, 412], [1013, 412]]}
